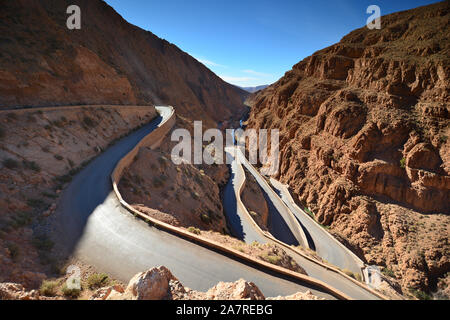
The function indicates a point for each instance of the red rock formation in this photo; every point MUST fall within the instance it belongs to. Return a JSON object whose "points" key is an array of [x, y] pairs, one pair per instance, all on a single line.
{"points": [[364, 128]]}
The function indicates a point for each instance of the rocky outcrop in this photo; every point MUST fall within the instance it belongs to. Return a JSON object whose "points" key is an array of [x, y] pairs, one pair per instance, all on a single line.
{"points": [[107, 61], [14, 291], [150, 285], [364, 128], [160, 284]]}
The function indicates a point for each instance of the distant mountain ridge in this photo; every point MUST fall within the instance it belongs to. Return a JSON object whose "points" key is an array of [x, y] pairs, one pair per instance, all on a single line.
{"points": [[254, 89]]}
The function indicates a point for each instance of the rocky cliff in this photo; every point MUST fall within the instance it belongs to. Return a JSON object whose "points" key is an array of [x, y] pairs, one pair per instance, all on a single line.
{"points": [[364, 128], [107, 61]]}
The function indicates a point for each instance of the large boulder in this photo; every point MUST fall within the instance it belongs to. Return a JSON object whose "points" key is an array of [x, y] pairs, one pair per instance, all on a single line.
{"points": [[238, 290], [150, 285]]}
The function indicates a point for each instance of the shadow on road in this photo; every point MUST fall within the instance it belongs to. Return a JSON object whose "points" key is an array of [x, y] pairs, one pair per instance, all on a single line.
{"points": [[230, 206], [89, 189]]}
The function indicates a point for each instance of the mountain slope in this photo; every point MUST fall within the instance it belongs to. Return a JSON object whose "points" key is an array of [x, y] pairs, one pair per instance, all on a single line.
{"points": [[364, 128], [108, 61]]}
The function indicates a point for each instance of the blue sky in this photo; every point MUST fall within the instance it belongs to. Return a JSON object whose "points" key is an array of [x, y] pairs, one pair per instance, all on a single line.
{"points": [[252, 42]]}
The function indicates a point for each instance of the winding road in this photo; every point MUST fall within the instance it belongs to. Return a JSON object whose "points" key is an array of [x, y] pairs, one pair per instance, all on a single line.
{"points": [[99, 231], [325, 245], [251, 231], [240, 223]]}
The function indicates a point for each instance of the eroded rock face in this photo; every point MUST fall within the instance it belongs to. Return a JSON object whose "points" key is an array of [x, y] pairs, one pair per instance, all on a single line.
{"points": [[424, 156], [364, 130]]}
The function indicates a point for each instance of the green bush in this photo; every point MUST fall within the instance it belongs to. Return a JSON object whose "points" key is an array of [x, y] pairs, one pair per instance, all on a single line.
{"points": [[353, 275], [14, 250], [194, 230], [195, 195], [270, 258], [97, 280], [70, 293], [58, 157], [89, 122], [388, 272], [198, 179], [158, 182], [308, 211], [421, 295], [49, 288], [21, 219], [37, 203], [205, 218], [403, 163]]}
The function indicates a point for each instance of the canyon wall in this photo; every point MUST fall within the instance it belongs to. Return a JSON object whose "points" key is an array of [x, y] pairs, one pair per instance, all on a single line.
{"points": [[364, 127]]}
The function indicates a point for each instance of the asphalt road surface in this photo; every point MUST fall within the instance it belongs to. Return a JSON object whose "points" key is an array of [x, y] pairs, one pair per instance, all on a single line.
{"points": [[325, 245], [312, 269], [100, 232]]}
